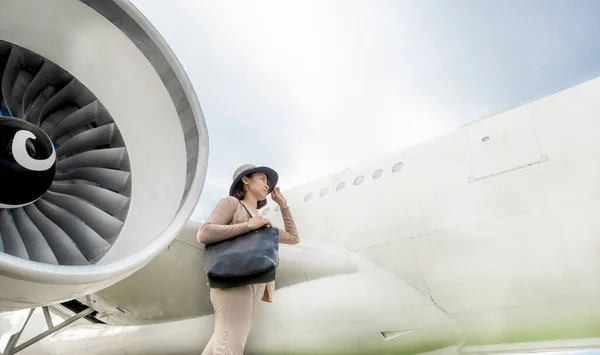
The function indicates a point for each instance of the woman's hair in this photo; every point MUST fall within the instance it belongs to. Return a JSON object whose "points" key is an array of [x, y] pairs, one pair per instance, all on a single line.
{"points": [[239, 192]]}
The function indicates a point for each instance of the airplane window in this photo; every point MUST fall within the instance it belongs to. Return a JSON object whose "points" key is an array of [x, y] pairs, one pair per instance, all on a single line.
{"points": [[377, 174], [397, 167], [308, 197], [265, 211], [341, 186], [359, 180], [324, 192], [277, 208]]}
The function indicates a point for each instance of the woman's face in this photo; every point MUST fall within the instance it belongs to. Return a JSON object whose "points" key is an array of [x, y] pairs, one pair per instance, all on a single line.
{"points": [[258, 185]]}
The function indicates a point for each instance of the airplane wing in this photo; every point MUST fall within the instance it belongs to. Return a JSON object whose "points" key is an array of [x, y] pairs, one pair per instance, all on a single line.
{"points": [[173, 286]]}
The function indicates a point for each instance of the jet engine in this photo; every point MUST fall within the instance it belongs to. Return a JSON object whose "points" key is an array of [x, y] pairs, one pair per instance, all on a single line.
{"points": [[103, 148]]}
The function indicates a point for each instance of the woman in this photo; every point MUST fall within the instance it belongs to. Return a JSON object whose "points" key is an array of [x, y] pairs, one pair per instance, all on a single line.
{"points": [[236, 307]]}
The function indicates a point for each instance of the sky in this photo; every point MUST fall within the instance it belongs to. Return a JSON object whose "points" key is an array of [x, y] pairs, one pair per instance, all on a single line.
{"points": [[310, 87]]}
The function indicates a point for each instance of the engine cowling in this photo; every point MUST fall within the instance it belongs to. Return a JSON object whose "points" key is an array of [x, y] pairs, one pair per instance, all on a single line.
{"points": [[103, 150]]}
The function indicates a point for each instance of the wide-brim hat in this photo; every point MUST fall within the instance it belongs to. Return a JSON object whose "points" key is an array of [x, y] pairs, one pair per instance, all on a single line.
{"points": [[248, 169]]}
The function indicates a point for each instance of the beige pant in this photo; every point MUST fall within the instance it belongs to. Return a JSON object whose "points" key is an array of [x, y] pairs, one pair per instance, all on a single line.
{"points": [[235, 312]]}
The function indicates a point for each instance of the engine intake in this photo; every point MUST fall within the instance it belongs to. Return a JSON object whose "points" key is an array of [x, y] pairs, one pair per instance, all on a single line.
{"points": [[70, 210], [103, 148]]}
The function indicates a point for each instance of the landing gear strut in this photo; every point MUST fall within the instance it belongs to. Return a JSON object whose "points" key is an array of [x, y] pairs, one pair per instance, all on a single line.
{"points": [[12, 348]]}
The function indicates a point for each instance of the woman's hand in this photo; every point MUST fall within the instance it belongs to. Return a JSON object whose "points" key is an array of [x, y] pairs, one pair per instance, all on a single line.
{"points": [[257, 222], [278, 198]]}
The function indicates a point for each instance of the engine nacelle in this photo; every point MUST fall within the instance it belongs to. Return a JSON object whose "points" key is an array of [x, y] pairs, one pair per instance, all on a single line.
{"points": [[102, 130]]}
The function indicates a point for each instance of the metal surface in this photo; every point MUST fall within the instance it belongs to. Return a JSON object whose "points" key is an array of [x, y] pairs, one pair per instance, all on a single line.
{"points": [[447, 265], [12, 342], [154, 295], [137, 28], [130, 69], [485, 241], [12, 348], [48, 318], [74, 219]]}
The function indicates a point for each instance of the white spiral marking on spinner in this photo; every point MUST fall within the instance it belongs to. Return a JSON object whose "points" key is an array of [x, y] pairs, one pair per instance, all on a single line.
{"points": [[19, 150]]}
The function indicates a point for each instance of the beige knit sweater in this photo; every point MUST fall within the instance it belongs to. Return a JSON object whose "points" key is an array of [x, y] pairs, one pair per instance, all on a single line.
{"points": [[229, 219]]}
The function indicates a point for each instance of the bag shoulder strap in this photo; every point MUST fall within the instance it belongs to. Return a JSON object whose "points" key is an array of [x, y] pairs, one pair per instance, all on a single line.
{"points": [[249, 214]]}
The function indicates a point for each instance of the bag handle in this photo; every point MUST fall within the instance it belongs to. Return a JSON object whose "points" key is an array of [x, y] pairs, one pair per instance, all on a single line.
{"points": [[249, 214]]}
